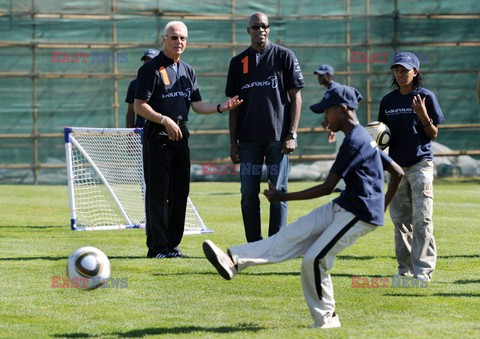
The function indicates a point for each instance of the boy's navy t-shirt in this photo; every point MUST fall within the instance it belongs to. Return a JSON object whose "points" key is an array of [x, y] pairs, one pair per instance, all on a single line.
{"points": [[409, 143], [139, 120], [264, 114], [361, 164], [168, 88]]}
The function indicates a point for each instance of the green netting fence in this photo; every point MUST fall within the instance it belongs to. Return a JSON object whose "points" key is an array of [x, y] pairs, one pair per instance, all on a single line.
{"points": [[40, 92]]}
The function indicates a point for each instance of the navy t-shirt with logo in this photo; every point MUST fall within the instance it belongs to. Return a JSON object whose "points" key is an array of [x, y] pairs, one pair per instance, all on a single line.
{"points": [[264, 114], [361, 164], [409, 143], [168, 88]]}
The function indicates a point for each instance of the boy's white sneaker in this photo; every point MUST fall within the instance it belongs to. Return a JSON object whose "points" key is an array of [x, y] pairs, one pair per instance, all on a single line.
{"points": [[219, 259]]}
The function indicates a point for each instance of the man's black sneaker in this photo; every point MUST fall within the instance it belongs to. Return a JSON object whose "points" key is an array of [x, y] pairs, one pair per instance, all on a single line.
{"points": [[165, 255], [176, 252]]}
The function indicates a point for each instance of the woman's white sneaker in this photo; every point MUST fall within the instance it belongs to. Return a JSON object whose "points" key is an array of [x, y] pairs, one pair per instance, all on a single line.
{"points": [[330, 321]]}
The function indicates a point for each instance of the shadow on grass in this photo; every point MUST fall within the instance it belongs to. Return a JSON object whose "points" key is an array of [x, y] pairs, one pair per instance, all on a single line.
{"points": [[467, 281], [76, 335], [168, 330], [465, 256], [362, 257], [368, 257], [214, 273], [297, 273], [188, 330], [223, 193], [39, 227], [403, 295], [454, 295], [63, 258], [261, 274], [469, 295], [349, 275]]}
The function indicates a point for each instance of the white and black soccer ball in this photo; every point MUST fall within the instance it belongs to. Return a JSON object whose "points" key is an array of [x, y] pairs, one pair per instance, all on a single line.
{"points": [[380, 133], [88, 268]]}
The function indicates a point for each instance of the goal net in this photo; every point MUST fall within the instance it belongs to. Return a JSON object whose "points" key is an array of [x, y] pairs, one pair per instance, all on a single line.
{"points": [[106, 188]]}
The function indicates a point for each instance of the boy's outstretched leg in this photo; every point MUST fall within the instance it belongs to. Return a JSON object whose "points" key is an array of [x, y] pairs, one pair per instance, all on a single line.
{"points": [[290, 242], [220, 260], [318, 261]]}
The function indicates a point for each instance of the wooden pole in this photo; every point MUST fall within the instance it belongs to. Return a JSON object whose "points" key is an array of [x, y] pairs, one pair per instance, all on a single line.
{"points": [[36, 164], [368, 98], [115, 69]]}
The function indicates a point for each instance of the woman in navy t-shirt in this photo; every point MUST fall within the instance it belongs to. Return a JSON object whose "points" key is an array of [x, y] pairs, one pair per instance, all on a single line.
{"points": [[412, 113]]}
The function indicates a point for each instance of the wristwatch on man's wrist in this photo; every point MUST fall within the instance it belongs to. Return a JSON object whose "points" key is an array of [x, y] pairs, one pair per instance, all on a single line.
{"points": [[293, 135]]}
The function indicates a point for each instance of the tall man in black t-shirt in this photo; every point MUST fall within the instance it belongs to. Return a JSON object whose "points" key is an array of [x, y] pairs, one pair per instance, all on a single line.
{"points": [[166, 88], [263, 129]]}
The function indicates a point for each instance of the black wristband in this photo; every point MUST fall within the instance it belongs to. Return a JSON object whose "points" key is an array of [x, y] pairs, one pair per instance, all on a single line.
{"points": [[218, 109], [430, 122]]}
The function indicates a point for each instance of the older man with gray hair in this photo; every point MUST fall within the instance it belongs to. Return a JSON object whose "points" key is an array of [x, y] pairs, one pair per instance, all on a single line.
{"points": [[166, 88]]}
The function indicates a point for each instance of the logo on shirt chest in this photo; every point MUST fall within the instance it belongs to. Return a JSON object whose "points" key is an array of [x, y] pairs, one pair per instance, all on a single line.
{"points": [[272, 81], [185, 94], [402, 110]]}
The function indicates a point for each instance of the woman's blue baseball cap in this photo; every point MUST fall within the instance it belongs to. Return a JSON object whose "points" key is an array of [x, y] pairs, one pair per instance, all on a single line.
{"points": [[407, 60]]}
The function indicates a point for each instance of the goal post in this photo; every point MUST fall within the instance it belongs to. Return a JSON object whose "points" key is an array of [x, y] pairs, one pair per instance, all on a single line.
{"points": [[106, 188]]}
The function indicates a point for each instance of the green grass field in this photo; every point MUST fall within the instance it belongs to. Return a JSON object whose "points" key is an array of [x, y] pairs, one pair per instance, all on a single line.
{"points": [[187, 298]]}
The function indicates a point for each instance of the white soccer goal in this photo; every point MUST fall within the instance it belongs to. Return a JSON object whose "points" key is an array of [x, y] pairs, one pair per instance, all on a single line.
{"points": [[105, 180]]}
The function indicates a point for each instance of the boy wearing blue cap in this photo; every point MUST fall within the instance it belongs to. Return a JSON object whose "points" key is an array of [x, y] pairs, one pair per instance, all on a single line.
{"points": [[412, 114], [323, 233]]}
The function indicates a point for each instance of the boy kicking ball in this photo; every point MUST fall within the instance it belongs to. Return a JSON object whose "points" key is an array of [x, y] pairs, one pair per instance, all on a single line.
{"points": [[323, 233]]}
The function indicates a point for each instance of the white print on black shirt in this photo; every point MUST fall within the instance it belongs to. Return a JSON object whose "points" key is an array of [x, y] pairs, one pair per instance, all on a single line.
{"points": [[396, 111], [185, 94], [298, 70], [272, 81]]}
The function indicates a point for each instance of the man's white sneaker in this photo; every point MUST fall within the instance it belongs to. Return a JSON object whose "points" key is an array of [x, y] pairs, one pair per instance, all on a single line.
{"points": [[219, 259], [329, 322]]}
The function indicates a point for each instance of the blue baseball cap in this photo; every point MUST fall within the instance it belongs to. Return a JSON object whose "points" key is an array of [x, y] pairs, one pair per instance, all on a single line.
{"points": [[324, 69], [336, 96], [150, 53], [407, 60]]}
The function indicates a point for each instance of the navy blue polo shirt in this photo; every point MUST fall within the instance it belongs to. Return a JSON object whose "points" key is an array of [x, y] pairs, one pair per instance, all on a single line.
{"points": [[409, 143], [333, 84], [168, 88], [264, 114], [361, 164], [139, 120]]}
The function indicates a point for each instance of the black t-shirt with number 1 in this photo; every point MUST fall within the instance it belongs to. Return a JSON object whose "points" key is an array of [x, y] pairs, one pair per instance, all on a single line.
{"points": [[265, 113]]}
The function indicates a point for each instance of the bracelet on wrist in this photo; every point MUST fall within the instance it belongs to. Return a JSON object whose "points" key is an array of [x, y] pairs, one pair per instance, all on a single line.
{"points": [[218, 109], [163, 120], [430, 122]]}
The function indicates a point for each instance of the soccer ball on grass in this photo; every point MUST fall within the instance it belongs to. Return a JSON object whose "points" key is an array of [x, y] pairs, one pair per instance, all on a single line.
{"points": [[88, 268], [380, 133]]}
